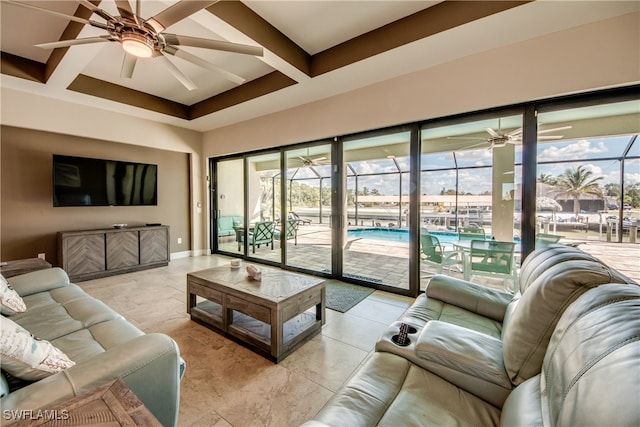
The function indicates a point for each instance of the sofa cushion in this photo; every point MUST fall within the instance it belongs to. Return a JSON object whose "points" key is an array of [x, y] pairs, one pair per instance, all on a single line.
{"points": [[388, 390], [589, 374], [468, 359], [39, 281], [426, 308], [545, 257], [9, 298], [527, 333], [84, 344], [62, 311], [591, 370], [463, 350], [27, 357]]}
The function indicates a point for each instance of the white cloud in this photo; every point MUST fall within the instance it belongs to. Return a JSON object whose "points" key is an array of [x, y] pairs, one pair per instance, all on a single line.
{"points": [[574, 150]]}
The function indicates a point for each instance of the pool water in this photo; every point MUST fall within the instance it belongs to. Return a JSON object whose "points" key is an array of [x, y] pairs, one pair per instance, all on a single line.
{"points": [[402, 236], [396, 235]]}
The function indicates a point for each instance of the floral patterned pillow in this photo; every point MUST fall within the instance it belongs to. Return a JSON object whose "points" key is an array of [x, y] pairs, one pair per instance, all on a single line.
{"points": [[27, 357], [10, 298]]}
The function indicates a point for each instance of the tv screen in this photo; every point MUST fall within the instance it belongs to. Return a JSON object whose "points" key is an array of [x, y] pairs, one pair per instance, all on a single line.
{"points": [[81, 181]]}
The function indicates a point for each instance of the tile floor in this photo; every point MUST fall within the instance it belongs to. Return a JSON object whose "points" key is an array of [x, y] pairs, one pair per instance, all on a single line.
{"points": [[226, 384]]}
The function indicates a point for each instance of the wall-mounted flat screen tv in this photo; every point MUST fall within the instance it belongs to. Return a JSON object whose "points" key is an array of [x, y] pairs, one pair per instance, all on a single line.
{"points": [[81, 181]]}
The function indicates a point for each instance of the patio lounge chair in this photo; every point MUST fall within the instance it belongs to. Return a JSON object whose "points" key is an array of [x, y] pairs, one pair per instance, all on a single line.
{"points": [[491, 258], [290, 230], [295, 216], [262, 234], [433, 253]]}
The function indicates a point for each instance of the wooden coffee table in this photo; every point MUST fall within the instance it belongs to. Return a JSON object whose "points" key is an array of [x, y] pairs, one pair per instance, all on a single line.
{"points": [[273, 316]]}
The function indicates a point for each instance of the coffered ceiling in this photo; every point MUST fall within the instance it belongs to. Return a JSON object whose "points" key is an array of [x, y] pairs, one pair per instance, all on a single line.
{"points": [[312, 49]]}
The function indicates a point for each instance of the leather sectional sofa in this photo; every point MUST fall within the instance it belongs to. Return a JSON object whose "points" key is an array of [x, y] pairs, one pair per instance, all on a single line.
{"points": [[101, 343], [564, 350]]}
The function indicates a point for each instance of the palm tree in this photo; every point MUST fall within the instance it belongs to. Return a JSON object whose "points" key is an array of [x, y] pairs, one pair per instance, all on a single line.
{"points": [[576, 182]]}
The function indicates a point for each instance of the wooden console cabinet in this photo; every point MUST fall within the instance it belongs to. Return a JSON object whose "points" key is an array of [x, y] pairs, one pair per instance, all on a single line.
{"points": [[90, 254]]}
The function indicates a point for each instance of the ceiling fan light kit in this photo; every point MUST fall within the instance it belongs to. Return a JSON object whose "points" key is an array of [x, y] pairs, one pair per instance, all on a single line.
{"points": [[142, 38], [137, 44]]}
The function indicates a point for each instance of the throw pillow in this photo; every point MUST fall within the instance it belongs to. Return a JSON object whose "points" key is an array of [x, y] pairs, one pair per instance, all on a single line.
{"points": [[26, 357], [10, 298]]}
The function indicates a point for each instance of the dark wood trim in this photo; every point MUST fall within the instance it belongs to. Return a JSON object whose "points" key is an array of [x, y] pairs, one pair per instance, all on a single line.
{"points": [[264, 85], [102, 89], [236, 14], [70, 32], [17, 66], [427, 22]]}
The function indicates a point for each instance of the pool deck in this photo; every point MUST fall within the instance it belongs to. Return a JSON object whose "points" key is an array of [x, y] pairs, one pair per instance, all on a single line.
{"points": [[387, 262]]}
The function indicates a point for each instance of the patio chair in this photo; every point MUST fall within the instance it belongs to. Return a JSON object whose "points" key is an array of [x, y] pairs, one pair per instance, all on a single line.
{"points": [[290, 230], [261, 234], [433, 253], [543, 239], [295, 216], [470, 233], [491, 258]]}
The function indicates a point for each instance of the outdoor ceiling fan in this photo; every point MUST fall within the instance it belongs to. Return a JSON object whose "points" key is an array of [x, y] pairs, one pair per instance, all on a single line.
{"points": [[308, 161], [498, 138], [145, 38]]}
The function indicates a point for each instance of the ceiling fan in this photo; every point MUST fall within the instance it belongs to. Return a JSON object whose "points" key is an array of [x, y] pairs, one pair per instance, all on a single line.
{"points": [[498, 138], [145, 38], [308, 161]]}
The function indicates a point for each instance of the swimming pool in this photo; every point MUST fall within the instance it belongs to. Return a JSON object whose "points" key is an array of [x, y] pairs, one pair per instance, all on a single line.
{"points": [[401, 236], [396, 235]]}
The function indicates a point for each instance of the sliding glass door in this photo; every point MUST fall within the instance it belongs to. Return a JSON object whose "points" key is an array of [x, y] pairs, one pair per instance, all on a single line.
{"points": [[470, 190], [376, 244], [308, 208], [228, 205], [358, 208]]}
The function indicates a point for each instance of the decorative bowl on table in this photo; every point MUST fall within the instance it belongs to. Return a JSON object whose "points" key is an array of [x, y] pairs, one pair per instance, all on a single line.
{"points": [[119, 225]]}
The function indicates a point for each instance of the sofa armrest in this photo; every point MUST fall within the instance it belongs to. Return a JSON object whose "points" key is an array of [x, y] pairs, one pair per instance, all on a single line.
{"points": [[148, 364], [464, 350], [476, 298], [39, 281]]}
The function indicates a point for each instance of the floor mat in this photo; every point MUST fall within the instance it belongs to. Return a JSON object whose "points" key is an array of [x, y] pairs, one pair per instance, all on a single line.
{"points": [[343, 296]]}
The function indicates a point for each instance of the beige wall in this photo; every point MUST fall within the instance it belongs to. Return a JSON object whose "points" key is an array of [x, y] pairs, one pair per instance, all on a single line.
{"points": [[588, 57], [29, 220]]}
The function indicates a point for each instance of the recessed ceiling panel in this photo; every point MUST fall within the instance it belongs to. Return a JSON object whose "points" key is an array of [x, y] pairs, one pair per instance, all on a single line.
{"points": [[23, 28], [318, 25]]}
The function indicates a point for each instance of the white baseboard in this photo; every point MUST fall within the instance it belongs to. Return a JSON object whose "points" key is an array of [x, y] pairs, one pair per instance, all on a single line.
{"points": [[179, 255]]}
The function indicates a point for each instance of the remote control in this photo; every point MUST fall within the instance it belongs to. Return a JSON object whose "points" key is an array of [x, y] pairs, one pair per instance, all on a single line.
{"points": [[402, 336]]}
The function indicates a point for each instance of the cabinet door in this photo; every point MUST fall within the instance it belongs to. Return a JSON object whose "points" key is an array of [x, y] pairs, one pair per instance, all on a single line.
{"points": [[122, 249], [154, 245], [84, 254]]}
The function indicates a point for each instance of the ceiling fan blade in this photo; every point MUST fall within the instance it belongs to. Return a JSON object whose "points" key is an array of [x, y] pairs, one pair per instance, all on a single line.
{"points": [[467, 138], [177, 13], [554, 129], [59, 15], [74, 42], [515, 132], [124, 8], [177, 73], [179, 40], [171, 50], [128, 65], [492, 132], [95, 9]]}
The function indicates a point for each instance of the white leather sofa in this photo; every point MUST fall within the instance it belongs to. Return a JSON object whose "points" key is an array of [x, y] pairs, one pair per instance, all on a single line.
{"points": [[483, 357]]}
